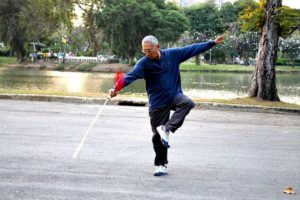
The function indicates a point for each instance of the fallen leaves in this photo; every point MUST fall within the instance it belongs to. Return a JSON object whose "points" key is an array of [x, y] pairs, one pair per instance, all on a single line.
{"points": [[289, 190]]}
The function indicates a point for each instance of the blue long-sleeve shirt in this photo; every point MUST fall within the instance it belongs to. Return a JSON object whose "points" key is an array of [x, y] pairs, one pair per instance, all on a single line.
{"points": [[162, 76]]}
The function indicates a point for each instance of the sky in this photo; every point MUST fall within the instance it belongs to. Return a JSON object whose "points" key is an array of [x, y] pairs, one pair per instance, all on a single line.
{"points": [[291, 3]]}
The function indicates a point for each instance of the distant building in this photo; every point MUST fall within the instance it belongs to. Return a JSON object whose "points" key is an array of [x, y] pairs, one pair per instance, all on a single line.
{"points": [[1, 45]]}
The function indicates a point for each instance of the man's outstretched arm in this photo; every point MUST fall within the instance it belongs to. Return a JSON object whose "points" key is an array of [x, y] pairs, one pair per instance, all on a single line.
{"points": [[189, 51]]}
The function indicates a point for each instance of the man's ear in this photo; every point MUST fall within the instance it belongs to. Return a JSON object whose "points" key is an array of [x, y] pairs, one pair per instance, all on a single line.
{"points": [[158, 46]]}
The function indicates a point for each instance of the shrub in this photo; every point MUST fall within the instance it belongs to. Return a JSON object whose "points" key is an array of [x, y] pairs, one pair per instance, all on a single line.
{"points": [[60, 67], [86, 67]]}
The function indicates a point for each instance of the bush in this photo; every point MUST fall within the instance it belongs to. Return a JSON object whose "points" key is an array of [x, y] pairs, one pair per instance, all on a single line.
{"points": [[217, 56], [88, 53], [286, 62], [281, 61], [60, 67], [4, 52], [86, 67]]}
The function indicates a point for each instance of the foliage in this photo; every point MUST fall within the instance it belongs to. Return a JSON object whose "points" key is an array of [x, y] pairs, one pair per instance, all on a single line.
{"points": [[247, 44], [228, 15], [60, 67], [24, 21], [126, 22], [253, 19], [12, 25], [291, 47], [205, 24], [189, 37], [241, 5], [216, 55], [85, 67], [287, 19], [93, 34], [174, 23], [205, 19]]}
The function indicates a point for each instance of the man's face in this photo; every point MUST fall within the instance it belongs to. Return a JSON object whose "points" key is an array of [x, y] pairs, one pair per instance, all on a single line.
{"points": [[151, 51]]}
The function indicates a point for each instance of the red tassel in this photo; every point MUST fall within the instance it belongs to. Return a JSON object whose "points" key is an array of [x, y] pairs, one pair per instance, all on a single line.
{"points": [[119, 81]]}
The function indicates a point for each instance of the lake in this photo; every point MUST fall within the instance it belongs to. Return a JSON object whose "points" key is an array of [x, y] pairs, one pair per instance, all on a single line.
{"points": [[195, 84]]}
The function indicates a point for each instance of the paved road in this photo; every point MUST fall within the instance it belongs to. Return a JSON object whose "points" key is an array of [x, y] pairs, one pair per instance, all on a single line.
{"points": [[216, 155]]}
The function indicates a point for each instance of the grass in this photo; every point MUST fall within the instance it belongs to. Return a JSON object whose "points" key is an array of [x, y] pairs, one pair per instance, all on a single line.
{"points": [[189, 66], [48, 92], [7, 60], [251, 102], [82, 67], [239, 101]]}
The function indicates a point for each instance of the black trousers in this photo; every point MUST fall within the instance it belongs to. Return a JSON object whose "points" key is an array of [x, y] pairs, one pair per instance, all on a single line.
{"points": [[182, 106]]}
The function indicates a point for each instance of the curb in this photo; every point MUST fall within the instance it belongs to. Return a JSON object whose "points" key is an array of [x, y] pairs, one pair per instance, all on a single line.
{"points": [[144, 102]]}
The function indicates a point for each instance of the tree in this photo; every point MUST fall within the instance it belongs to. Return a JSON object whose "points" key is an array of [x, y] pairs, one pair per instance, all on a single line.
{"points": [[79, 40], [266, 19], [246, 44], [230, 13], [205, 19], [11, 28], [291, 47], [126, 22], [93, 33], [23, 21], [241, 5], [205, 22], [189, 37]]}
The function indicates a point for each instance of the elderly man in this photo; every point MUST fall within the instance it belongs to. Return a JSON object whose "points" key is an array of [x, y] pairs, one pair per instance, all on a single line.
{"points": [[160, 69]]}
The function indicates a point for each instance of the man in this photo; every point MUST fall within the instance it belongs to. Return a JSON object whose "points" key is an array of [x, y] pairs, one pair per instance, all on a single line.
{"points": [[160, 69]]}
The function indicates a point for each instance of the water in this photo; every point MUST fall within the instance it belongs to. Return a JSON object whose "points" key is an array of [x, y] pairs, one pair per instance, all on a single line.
{"points": [[194, 84]]}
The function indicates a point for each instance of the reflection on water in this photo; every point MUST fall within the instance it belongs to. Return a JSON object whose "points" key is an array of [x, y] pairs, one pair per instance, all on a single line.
{"points": [[213, 94], [73, 82], [194, 84], [55, 81]]}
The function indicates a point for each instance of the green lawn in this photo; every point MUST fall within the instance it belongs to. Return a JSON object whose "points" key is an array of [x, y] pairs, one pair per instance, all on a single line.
{"points": [[251, 102], [189, 66], [7, 60]]}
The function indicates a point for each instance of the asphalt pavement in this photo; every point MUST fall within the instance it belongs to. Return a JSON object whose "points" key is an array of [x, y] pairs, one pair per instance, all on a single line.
{"points": [[216, 155]]}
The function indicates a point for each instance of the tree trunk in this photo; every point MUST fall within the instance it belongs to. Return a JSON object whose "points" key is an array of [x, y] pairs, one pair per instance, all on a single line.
{"points": [[17, 44], [131, 53], [197, 59], [131, 61], [263, 85]]}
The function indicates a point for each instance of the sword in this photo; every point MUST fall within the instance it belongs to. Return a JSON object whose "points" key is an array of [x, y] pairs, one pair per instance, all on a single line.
{"points": [[76, 153]]}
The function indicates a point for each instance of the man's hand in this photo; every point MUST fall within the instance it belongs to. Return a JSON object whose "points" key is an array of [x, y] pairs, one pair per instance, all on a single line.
{"points": [[219, 39], [112, 93]]}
